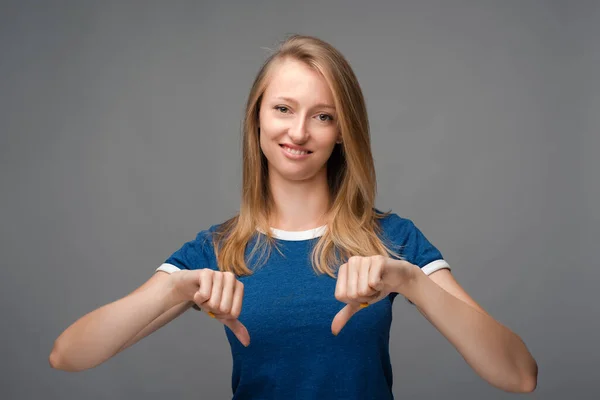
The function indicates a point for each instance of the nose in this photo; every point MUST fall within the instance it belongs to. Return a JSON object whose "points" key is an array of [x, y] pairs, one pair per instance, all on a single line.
{"points": [[298, 132]]}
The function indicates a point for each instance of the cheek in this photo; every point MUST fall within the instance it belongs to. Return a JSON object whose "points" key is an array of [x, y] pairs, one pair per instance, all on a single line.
{"points": [[327, 138], [264, 130], [270, 127], [266, 135], [268, 140]]}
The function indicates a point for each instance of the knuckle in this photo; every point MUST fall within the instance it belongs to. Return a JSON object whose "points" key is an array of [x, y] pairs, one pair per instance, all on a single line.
{"points": [[205, 293], [228, 275], [205, 273], [212, 304], [225, 310], [379, 259], [202, 296]]}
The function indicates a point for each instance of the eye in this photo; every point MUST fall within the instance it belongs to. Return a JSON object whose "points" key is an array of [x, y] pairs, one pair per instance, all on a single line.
{"points": [[325, 117], [282, 109]]}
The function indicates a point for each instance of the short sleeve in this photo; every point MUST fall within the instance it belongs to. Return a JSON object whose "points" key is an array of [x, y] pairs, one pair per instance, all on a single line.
{"points": [[195, 254], [412, 245], [419, 251]]}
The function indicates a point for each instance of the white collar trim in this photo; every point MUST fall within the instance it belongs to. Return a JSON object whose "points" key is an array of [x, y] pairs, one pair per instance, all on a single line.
{"points": [[297, 235]]}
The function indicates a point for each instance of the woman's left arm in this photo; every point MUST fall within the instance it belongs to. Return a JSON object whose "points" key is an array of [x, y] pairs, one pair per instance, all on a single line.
{"points": [[496, 353]]}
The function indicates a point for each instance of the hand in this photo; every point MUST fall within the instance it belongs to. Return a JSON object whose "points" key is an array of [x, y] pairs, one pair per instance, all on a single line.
{"points": [[218, 293], [366, 280]]}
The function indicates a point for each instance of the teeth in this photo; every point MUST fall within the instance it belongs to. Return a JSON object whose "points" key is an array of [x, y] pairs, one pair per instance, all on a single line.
{"points": [[296, 152]]}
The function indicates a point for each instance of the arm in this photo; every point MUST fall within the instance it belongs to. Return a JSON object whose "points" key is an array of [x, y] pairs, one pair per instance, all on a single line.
{"points": [[158, 323], [102, 333], [495, 353]]}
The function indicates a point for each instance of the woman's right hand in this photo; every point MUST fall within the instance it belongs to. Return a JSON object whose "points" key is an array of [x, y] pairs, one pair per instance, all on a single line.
{"points": [[218, 293]]}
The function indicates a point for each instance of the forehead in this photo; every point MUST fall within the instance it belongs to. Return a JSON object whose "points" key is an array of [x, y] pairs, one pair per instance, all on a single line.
{"points": [[297, 80]]}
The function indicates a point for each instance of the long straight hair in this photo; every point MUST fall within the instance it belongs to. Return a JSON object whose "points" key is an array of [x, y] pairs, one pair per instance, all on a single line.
{"points": [[353, 227]]}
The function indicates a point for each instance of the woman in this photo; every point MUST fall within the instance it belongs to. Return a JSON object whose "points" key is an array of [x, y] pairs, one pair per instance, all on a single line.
{"points": [[315, 265]]}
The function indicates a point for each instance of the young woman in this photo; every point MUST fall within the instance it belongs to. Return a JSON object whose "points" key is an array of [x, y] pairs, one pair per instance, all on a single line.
{"points": [[304, 277]]}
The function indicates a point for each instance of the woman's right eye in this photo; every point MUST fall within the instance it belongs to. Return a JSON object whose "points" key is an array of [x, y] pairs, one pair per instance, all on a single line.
{"points": [[282, 109]]}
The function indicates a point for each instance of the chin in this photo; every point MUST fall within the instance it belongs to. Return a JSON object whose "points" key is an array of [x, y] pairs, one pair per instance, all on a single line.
{"points": [[296, 175]]}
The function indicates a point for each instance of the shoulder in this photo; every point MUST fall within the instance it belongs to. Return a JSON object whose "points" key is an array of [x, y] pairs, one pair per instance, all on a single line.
{"points": [[393, 226], [209, 233], [408, 240], [215, 234], [206, 236], [200, 248]]}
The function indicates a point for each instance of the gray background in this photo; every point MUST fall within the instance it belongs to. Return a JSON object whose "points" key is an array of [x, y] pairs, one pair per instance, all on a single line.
{"points": [[120, 140]]}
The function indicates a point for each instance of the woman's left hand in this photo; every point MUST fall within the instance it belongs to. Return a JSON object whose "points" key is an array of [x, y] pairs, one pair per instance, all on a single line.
{"points": [[366, 280]]}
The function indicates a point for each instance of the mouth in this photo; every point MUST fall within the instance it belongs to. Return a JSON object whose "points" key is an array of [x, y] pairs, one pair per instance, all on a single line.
{"points": [[294, 151]]}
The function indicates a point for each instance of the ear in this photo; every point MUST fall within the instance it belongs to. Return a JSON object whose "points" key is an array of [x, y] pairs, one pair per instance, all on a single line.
{"points": [[339, 139]]}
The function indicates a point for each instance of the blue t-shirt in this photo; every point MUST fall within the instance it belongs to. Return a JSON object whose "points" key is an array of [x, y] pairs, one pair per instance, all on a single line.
{"points": [[288, 310]]}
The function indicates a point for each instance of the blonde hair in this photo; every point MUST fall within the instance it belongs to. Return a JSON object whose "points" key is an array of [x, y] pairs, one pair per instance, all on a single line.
{"points": [[353, 228]]}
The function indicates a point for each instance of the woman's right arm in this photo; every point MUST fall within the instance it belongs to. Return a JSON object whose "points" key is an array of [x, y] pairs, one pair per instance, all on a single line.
{"points": [[102, 333]]}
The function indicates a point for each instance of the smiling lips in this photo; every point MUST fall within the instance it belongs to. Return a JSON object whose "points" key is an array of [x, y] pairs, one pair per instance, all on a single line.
{"points": [[295, 150]]}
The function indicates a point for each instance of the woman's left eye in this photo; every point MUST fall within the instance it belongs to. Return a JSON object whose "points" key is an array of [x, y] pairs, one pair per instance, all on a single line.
{"points": [[325, 117]]}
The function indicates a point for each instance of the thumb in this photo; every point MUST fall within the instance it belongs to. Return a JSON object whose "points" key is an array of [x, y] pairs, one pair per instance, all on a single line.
{"points": [[378, 286], [342, 317], [239, 330]]}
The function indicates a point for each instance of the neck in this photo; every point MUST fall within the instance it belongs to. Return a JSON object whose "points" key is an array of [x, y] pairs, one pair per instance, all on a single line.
{"points": [[299, 205]]}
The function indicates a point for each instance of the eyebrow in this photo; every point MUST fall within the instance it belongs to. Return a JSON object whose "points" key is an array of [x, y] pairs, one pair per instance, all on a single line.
{"points": [[320, 105]]}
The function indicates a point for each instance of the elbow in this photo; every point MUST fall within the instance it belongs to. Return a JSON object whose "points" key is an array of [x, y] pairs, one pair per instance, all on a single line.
{"points": [[54, 359], [518, 380], [528, 381], [58, 360], [528, 384]]}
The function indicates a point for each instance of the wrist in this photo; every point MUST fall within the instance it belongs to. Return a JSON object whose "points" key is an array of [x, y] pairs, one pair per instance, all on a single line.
{"points": [[409, 286], [172, 294]]}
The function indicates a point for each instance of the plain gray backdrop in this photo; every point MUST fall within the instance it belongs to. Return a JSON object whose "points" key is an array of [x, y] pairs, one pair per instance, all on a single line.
{"points": [[120, 140]]}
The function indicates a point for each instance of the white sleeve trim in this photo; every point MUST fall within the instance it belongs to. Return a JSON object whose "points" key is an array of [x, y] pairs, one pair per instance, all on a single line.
{"points": [[435, 266], [170, 268]]}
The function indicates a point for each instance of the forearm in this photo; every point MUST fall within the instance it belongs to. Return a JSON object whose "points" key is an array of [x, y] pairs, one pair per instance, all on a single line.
{"points": [[158, 323], [100, 334], [497, 354]]}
